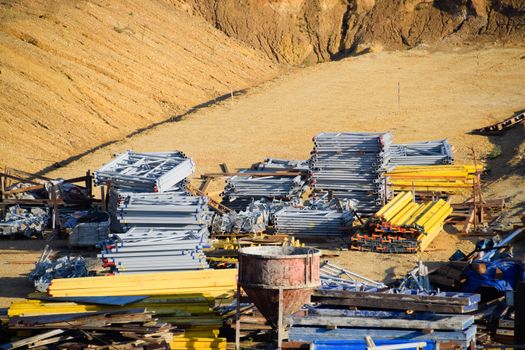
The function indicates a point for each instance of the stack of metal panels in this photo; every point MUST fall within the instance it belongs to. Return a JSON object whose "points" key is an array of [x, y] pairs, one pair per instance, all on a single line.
{"points": [[156, 249], [175, 210], [313, 221], [351, 166], [163, 227], [146, 172], [421, 153], [240, 191]]}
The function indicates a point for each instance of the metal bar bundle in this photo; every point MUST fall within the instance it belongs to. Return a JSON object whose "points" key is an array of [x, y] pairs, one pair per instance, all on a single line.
{"points": [[312, 221], [421, 153], [402, 226], [152, 249], [335, 277], [451, 179], [146, 172], [240, 191], [27, 222], [176, 210], [351, 166], [210, 283]]}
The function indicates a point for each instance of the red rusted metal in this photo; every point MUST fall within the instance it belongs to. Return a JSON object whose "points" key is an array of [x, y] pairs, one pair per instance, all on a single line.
{"points": [[265, 270]]}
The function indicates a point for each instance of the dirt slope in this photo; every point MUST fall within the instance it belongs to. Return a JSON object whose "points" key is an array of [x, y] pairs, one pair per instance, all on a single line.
{"points": [[75, 74], [305, 31]]}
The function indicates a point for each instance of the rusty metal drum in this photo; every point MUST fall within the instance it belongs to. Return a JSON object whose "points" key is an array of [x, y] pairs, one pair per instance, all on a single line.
{"points": [[263, 271]]}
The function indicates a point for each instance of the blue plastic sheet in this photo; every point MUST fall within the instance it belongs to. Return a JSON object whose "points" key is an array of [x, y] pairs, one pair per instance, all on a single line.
{"points": [[512, 271], [361, 344]]}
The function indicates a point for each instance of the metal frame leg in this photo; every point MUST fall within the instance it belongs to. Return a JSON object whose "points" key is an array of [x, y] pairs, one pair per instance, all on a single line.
{"points": [[280, 330], [238, 319]]}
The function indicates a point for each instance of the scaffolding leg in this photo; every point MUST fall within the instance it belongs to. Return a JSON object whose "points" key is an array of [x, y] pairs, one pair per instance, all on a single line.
{"points": [[238, 319]]}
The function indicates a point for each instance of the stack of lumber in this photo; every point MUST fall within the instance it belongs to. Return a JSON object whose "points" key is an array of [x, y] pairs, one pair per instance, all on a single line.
{"points": [[402, 226], [444, 302], [433, 317], [450, 179], [211, 283], [191, 314], [124, 329]]}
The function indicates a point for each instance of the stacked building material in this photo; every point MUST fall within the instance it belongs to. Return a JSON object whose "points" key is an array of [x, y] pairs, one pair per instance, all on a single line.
{"points": [[176, 210], [402, 226], [191, 314], [241, 190], [382, 316], [146, 172], [212, 283], [351, 166], [128, 329], [151, 249], [314, 220], [450, 179], [421, 153]]}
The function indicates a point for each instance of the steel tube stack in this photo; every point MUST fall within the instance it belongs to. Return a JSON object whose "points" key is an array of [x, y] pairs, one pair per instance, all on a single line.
{"points": [[151, 249], [313, 221], [240, 191], [351, 166], [162, 227], [421, 153]]}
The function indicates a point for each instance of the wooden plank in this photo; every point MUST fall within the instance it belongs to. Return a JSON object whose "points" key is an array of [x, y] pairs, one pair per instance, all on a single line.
{"points": [[313, 333], [395, 304], [445, 323], [452, 298], [30, 340]]}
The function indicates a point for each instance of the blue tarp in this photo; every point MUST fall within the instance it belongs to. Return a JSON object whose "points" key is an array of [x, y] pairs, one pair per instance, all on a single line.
{"points": [[512, 271], [361, 344]]}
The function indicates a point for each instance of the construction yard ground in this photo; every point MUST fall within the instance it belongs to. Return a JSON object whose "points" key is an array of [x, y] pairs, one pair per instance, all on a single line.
{"points": [[418, 94]]}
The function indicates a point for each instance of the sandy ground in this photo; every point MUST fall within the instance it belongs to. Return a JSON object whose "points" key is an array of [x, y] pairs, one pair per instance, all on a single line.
{"points": [[441, 95]]}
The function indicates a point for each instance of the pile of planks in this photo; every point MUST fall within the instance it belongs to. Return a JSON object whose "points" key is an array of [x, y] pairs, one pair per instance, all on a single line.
{"points": [[191, 314], [124, 329], [409, 315], [402, 226]]}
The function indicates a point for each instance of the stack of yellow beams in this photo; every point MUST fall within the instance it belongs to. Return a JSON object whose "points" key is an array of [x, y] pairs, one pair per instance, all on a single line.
{"points": [[190, 342], [403, 226], [434, 178], [208, 283]]}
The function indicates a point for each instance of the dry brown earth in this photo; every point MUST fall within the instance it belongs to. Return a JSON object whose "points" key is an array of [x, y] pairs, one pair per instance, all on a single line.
{"points": [[76, 74]]}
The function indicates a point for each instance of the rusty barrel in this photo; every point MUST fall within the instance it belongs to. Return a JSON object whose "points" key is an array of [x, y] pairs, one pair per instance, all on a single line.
{"points": [[263, 271]]}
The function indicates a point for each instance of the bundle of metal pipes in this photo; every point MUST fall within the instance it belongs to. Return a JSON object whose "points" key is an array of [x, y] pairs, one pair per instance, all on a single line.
{"points": [[402, 226], [351, 166], [207, 283], [176, 210], [240, 191], [146, 172], [450, 179], [152, 249], [313, 221], [421, 153]]}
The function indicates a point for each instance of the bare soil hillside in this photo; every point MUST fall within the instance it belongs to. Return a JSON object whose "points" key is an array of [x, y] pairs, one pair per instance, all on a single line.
{"points": [[77, 74], [304, 31]]}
